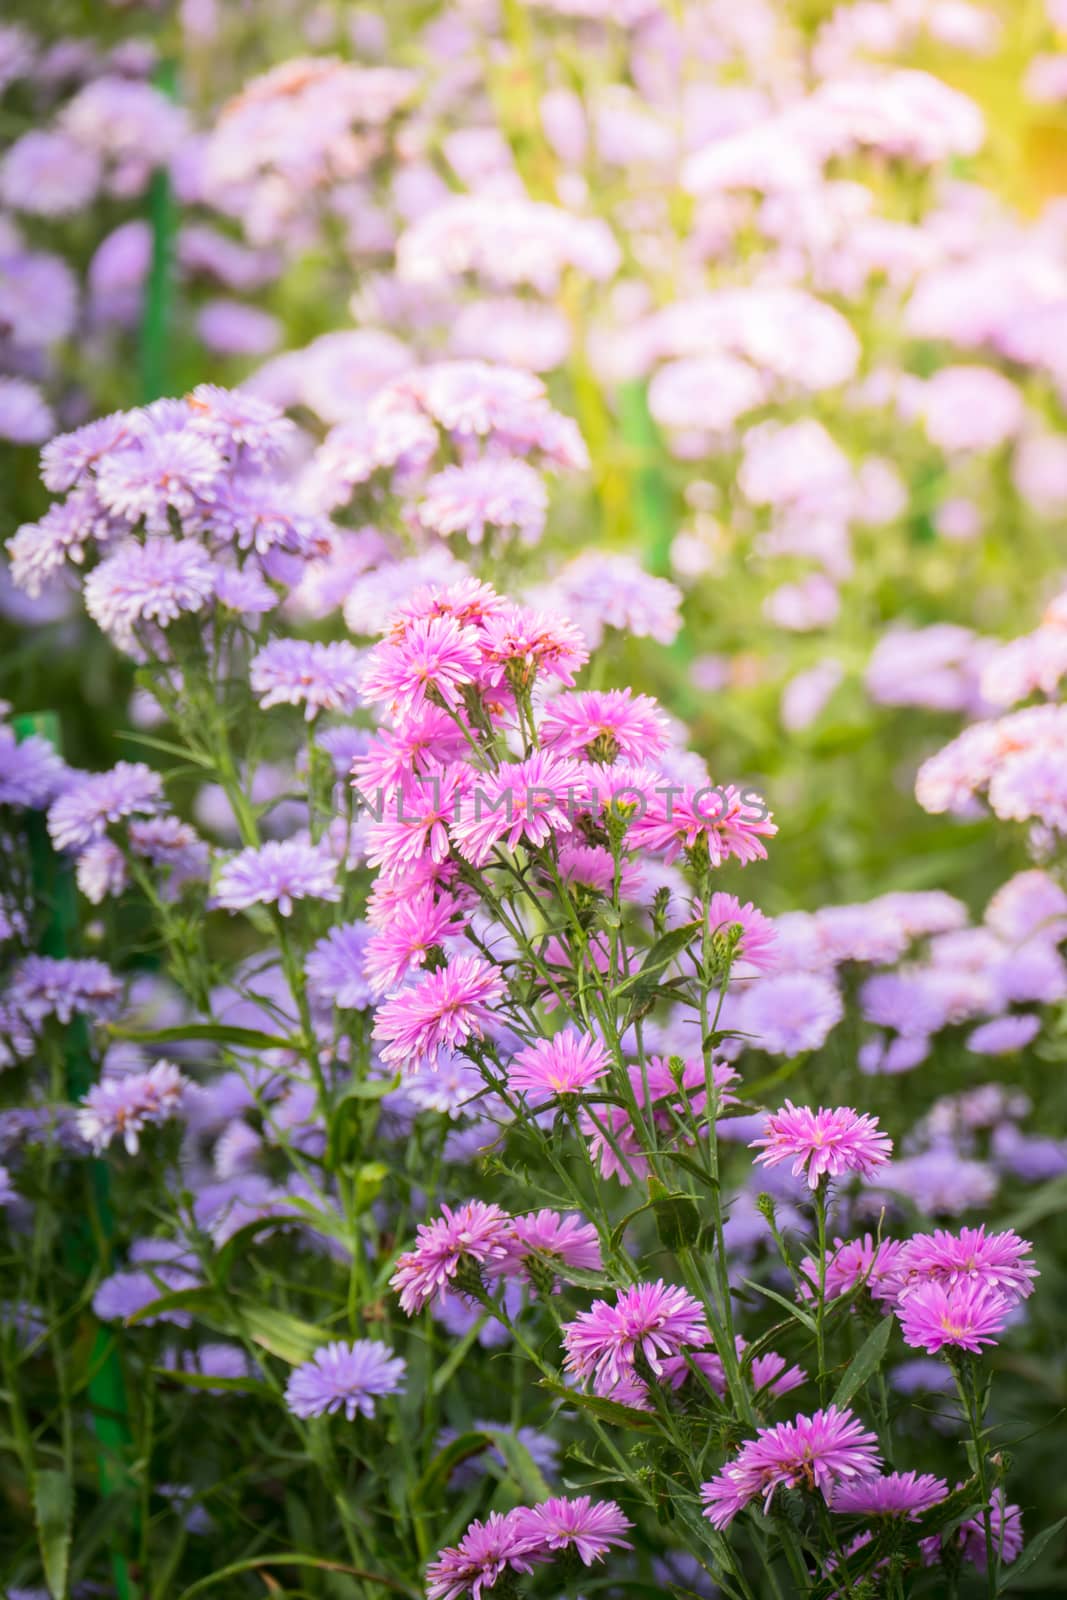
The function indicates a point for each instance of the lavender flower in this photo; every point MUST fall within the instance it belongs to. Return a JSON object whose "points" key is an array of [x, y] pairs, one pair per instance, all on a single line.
{"points": [[344, 1377], [277, 874]]}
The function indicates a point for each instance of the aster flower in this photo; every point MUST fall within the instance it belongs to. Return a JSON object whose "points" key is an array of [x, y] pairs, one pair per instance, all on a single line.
{"points": [[1006, 1523], [157, 472], [277, 873], [336, 968], [569, 1063], [939, 1182], [92, 802], [602, 724], [46, 173], [427, 740], [442, 1011], [589, 1527], [1004, 1035], [239, 424], [487, 1550], [823, 1143], [856, 1263], [999, 1261], [895, 1494], [49, 986], [526, 802], [493, 492], [259, 513], [756, 939], [474, 1236], [650, 1320], [416, 820], [715, 822], [31, 771], [40, 550], [420, 923], [320, 677], [518, 644], [542, 1239], [964, 1316], [155, 582], [813, 1453], [434, 656], [667, 1096], [169, 843], [344, 1377], [123, 1107]]}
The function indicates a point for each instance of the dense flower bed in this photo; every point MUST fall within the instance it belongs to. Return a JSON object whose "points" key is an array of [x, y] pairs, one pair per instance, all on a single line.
{"points": [[483, 477]]}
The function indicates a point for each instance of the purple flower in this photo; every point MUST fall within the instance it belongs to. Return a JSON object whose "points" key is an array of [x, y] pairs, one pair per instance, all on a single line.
{"points": [[965, 1316], [278, 873], [95, 801], [897, 1494], [813, 1453], [258, 513], [46, 986], [940, 1182], [160, 471], [232, 328], [321, 677], [122, 1107], [335, 968], [823, 1144], [240, 424], [153, 582], [1004, 1035], [587, 1526], [46, 173], [475, 1235], [31, 772], [40, 550], [496, 493], [487, 1550], [790, 1013], [25, 416], [344, 1377], [654, 1320]]}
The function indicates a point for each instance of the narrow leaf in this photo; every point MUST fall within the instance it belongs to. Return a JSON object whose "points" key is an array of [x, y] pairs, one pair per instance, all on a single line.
{"points": [[53, 1511], [1035, 1549], [865, 1362]]}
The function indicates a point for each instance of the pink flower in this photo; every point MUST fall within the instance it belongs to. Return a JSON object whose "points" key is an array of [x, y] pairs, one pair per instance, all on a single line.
{"points": [[823, 1143], [853, 1263], [719, 822], [812, 1453], [542, 1237], [757, 940], [587, 1526], [431, 656], [441, 1012], [652, 1320], [416, 820], [519, 644], [997, 1260], [474, 1233], [897, 1494], [602, 724], [419, 923], [487, 1550], [569, 1063], [656, 1088], [1006, 1526], [965, 1316], [527, 801]]}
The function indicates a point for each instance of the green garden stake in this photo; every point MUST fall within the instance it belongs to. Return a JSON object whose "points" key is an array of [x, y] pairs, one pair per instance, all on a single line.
{"points": [[54, 890]]}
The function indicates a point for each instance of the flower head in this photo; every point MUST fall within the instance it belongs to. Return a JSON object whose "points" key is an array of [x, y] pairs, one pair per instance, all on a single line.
{"points": [[441, 1012], [487, 1550], [277, 874], [344, 1377], [823, 1143], [896, 1494], [94, 801], [474, 1233], [964, 1316], [650, 1320], [433, 657], [336, 967], [122, 1107], [756, 939], [602, 724], [813, 1453], [46, 986], [155, 582], [590, 1527], [320, 677], [568, 1063], [999, 1260], [542, 1239]]}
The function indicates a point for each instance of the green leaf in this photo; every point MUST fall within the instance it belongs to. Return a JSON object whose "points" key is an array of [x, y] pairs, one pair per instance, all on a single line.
{"points": [[865, 1362], [677, 1217], [606, 1410], [204, 1381], [1047, 1201], [282, 1335], [658, 957], [53, 1512], [581, 1277], [1035, 1549], [796, 1312], [521, 1465], [212, 1032]]}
